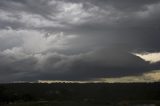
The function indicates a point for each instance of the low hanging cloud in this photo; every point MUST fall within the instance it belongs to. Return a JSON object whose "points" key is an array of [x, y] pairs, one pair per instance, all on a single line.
{"points": [[146, 77], [87, 66]]}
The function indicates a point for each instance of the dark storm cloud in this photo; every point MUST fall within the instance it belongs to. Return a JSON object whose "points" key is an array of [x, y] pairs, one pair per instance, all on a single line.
{"points": [[32, 6], [125, 4], [88, 66], [119, 26]]}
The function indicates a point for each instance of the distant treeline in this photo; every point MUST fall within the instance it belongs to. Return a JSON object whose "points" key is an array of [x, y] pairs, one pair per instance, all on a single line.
{"points": [[90, 92]]}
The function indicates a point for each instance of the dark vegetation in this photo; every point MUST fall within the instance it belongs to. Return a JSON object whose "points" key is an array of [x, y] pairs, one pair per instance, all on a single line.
{"points": [[89, 93]]}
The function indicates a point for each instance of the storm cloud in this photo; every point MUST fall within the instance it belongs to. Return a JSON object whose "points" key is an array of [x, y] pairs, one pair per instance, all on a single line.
{"points": [[77, 39]]}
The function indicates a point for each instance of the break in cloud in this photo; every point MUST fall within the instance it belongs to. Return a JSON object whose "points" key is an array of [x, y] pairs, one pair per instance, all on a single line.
{"points": [[78, 39]]}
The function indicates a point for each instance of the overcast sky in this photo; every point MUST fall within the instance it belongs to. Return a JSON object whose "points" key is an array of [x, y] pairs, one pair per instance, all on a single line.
{"points": [[79, 40]]}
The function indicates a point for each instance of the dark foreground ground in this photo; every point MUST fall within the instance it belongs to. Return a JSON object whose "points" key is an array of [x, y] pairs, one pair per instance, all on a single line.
{"points": [[74, 94]]}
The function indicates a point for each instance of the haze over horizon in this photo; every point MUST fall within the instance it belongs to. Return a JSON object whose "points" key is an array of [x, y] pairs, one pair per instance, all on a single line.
{"points": [[80, 40]]}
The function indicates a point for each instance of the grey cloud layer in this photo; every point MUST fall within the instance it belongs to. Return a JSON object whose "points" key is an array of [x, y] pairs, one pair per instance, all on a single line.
{"points": [[87, 66], [58, 39]]}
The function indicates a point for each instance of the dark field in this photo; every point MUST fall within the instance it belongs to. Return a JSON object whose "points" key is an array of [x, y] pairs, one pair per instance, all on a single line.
{"points": [[74, 94]]}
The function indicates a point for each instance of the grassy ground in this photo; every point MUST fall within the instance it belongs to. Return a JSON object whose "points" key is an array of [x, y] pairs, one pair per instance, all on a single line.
{"points": [[74, 94], [71, 103], [54, 104]]}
